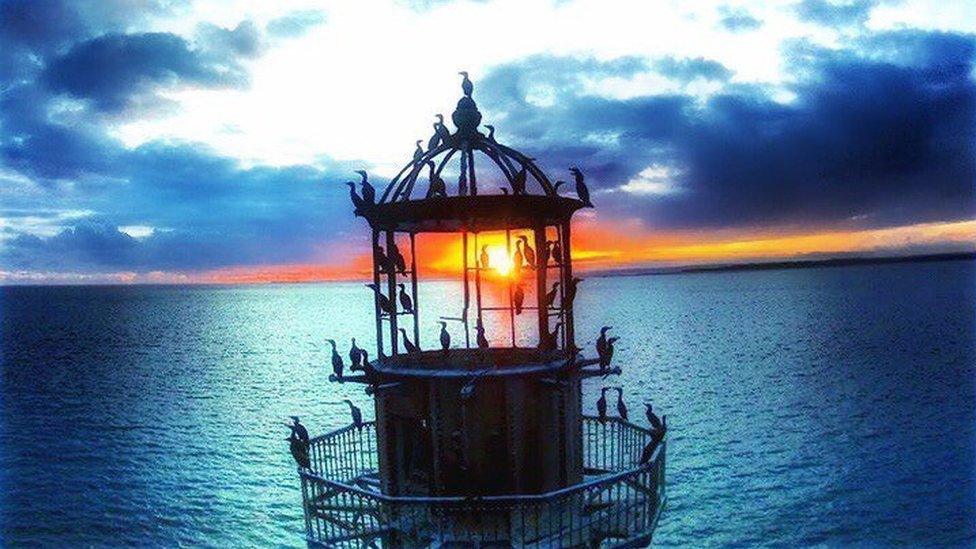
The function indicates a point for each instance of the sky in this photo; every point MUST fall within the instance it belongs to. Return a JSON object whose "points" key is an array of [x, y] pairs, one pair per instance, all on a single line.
{"points": [[208, 141]]}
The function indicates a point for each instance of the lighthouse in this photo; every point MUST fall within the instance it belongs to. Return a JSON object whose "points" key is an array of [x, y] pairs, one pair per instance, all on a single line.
{"points": [[480, 439]]}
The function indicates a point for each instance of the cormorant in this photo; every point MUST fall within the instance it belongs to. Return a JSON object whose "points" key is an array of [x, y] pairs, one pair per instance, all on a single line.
{"points": [[652, 419], [369, 193], [581, 190], [482, 340], [445, 337], [419, 153], [405, 302], [357, 414], [544, 255], [397, 258], [518, 258], [557, 252], [601, 405], [518, 182], [518, 298], [607, 355], [601, 342], [571, 289], [437, 186], [385, 304], [551, 294], [299, 451], [528, 251], [621, 407], [547, 341], [381, 259], [411, 348], [435, 139], [466, 86], [442, 131], [336, 360], [357, 202], [355, 356], [298, 430], [485, 260], [491, 132]]}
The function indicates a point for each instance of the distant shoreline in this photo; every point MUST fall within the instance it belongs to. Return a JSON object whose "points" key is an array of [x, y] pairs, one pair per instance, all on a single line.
{"points": [[785, 265]]}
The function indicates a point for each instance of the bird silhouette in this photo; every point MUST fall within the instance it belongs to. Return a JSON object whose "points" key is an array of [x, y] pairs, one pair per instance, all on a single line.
{"points": [[607, 357], [356, 413], [518, 298], [369, 193], [419, 152], [437, 186], [435, 139], [298, 430], [382, 260], [557, 252], [491, 132], [601, 342], [518, 258], [518, 182], [652, 419], [337, 364], [548, 340], [551, 294], [485, 259], [410, 347], [482, 340], [445, 338], [397, 258], [355, 356], [571, 289], [385, 304], [442, 130], [621, 407], [405, 302], [299, 451], [528, 251], [357, 202], [581, 190], [466, 86], [601, 405]]}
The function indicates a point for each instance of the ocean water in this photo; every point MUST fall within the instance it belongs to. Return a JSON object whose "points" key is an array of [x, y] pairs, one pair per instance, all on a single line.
{"points": [[832, 406]]}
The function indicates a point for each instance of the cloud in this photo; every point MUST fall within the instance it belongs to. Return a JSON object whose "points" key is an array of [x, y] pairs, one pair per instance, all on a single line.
{"points": [[835, 14], [737, 19], [687, 70], [295, 23]]}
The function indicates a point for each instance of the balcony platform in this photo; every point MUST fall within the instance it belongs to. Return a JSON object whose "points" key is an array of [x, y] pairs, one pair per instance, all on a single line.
{"points": [[617, 504]]}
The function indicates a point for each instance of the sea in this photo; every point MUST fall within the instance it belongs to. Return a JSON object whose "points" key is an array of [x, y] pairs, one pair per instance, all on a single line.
{"points": [[807, 407]]}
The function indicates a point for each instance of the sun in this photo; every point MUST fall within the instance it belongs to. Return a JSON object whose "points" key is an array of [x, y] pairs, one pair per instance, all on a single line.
{"points": [[500, 262]]}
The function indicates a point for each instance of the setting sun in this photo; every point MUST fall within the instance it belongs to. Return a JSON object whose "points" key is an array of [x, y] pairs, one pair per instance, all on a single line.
{"points": [[499, 260]]}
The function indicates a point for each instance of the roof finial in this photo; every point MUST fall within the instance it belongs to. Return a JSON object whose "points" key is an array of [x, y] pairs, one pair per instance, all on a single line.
{"points": [[466, 86]]}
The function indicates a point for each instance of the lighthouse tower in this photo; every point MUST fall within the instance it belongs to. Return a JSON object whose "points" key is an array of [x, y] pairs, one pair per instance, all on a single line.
{"points": [[481, 438]]}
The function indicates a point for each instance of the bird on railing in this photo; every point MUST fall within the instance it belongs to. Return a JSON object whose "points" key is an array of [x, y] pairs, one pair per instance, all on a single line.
{"points": [[547, 341], [418, 153], [491, 132], [437, 186], [571, 290], [357, 414], [482, 340], [601, 343], [485, 259], [355, 356], [601, 405], [518, 182], [369, 193], [406, 303], [385, 304], [411, 348], [528, 251], [336, 360], [445, 337], [298, 430], [551, 294], [581, 190], [621, 407], [397, 258], [299, 451], [657, 435], [557, 252], [518, 298], [382, 261], [652, 419], [442, 131], [466, 86], [357, 202]]}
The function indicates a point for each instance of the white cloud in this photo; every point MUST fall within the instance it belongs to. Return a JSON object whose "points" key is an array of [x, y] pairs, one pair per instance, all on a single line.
{"points": [[656, 179]]}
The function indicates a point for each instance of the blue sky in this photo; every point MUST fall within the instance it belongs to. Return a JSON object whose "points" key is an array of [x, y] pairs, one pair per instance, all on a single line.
{"points": [[162, 141]]}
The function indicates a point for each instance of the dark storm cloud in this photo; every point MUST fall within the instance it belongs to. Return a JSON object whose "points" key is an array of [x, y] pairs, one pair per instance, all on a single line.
{"points": [[737, 19], [835, 14], [296, 23], [113, 69], [886, 135]]}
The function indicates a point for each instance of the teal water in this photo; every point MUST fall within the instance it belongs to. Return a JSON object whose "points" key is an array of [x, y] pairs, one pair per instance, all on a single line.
{"points": [[831, 406]]}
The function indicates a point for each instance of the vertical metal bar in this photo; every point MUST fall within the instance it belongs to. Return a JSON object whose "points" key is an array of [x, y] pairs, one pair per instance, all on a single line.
{"points": [[391, 284], [568, 329], [413, 289], [540, 279], [376, 298], [477, 285], [472, 179], [467, 288], [518, 270]]}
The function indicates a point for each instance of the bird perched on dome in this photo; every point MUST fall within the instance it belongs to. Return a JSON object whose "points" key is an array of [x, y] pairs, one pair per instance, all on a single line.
{"points": [[418, 153], [357, 201], [369, 193], [442, 131], [581, 190], [466, 86], [518, 182], [491, 132], [437, 186]]}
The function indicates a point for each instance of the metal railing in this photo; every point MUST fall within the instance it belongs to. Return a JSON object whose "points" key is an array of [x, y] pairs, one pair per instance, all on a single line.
{"points": [[618, 507]]}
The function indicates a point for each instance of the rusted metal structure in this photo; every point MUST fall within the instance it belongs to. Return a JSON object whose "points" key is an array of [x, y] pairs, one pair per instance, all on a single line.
{"points": [[481, 441]]}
